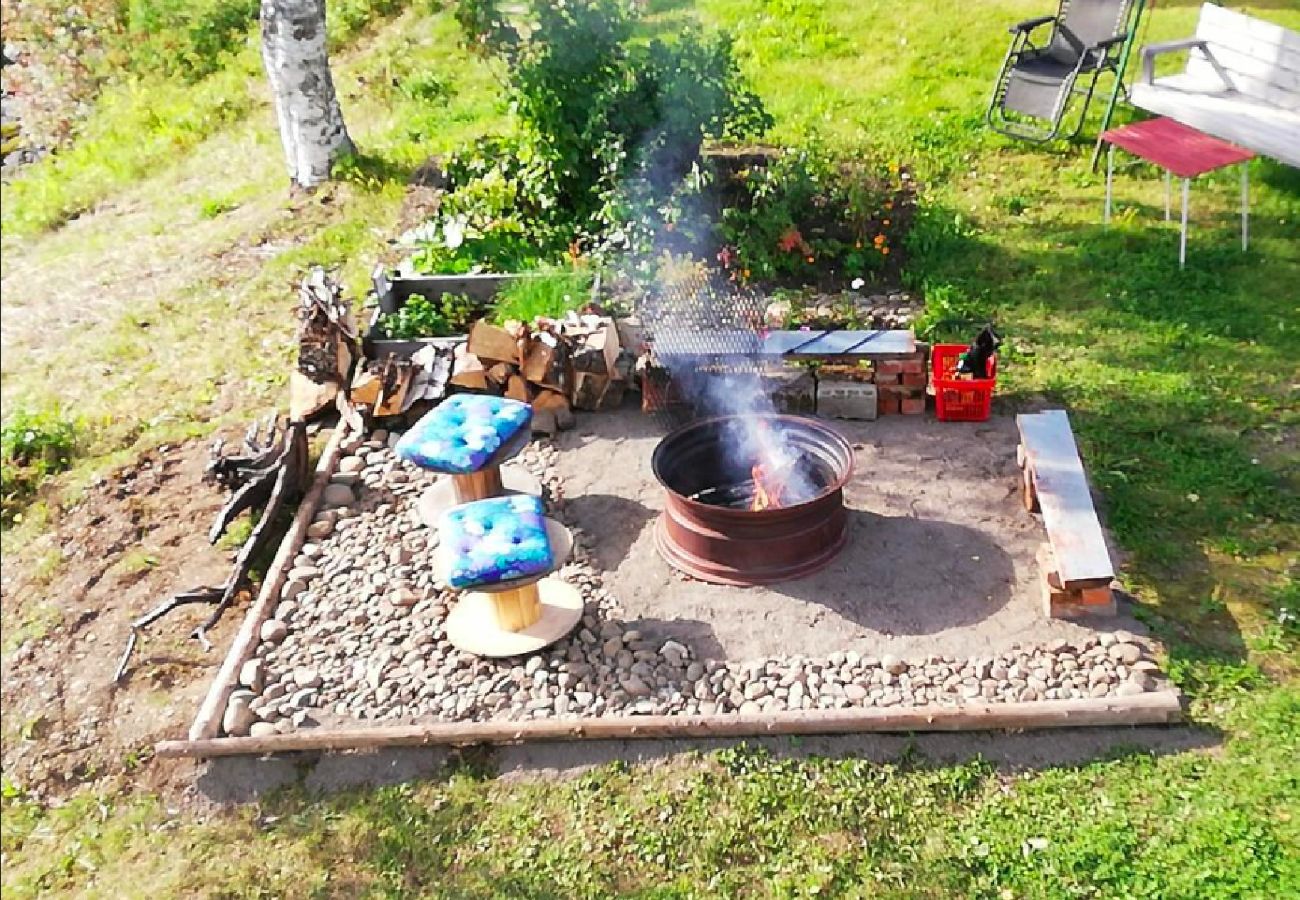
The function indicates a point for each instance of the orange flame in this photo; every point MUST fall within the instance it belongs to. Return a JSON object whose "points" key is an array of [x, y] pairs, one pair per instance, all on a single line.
{"points": [[767, 489]]}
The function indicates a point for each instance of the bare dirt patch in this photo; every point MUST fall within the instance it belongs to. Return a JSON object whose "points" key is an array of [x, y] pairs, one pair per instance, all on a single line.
{"points": [[136, 537], [940, 559]]}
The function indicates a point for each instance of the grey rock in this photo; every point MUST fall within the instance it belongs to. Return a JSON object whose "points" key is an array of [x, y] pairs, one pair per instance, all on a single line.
{"points": [[273, 631], [1128, 654], [635, 686], [338, 495], [238, 717], [252, 675], [893, 665], [307, 678]]}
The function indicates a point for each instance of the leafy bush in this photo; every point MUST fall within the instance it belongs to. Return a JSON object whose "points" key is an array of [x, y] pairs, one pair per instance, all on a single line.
{"points": [[33, 445], [182, 37], [550, 293], [597, 114], [421, 317], [810, 215]]}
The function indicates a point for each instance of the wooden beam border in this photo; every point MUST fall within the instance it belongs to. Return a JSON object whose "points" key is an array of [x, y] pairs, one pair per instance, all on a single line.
{"points": [[1155, 708]]}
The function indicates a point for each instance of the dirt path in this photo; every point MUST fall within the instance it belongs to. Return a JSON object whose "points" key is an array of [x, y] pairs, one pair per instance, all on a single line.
{"points": [[135, 538]]}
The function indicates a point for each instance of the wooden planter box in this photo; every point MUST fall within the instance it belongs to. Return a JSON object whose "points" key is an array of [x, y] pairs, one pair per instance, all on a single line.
{"points": [[392, 291]]}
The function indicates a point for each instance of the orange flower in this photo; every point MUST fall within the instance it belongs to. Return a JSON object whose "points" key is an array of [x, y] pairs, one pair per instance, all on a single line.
{"points": [[810, 259], [790, 240], [745, 273], [878, 240], [857, 245], [889, 204], [884, 251], [886, 222]]}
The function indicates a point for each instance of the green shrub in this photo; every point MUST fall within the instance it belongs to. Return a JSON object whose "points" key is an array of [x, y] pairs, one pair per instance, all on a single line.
{"points": [[33, 446], [550, 293], [810, 215], [598, 115], [184, 37]]}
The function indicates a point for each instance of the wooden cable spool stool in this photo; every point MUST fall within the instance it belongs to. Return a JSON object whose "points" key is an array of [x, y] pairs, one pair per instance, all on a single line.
{"points": [[516, 616]]}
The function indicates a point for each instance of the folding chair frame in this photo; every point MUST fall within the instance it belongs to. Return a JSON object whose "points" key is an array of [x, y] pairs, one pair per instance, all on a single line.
{"points": [[1110, 55]]}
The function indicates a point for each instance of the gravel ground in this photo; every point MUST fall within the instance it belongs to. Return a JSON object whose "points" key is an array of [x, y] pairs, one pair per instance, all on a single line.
{"points": [[358, 635]]}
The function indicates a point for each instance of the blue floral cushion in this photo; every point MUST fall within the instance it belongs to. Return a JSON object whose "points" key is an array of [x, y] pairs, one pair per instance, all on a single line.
{"points": [[495, 540], [467, 432]]}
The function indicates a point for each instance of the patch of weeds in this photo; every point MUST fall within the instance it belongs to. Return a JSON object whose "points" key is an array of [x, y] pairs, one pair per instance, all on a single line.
{"points": [[237, 533], [34, 444], [213, 207], [550, 293], [134, 562], [35, 621], [425, 87]]}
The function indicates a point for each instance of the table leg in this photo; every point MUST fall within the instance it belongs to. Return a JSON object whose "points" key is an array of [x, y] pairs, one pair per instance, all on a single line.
{"points": [[1110, 173], [1169, 178], [1182, 234], [1245, 206]]}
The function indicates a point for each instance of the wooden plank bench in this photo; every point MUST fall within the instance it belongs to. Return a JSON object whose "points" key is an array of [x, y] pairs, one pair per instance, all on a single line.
{"points": [[1241, 83], [1077, 569]]}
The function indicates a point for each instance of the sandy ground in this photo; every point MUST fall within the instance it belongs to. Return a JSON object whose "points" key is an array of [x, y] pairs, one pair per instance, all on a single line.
{"points": [[940, 558]]}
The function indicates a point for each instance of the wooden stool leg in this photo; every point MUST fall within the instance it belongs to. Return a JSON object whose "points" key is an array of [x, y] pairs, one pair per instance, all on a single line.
{"points": [[478, 485], [517, 609]]}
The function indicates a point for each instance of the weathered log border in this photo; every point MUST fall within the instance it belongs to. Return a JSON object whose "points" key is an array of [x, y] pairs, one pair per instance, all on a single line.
{"points": [[1158, 707], [207, 723]]}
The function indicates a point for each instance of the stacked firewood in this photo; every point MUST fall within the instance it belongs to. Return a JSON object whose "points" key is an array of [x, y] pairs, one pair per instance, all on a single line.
{"points": [[556, 365]]}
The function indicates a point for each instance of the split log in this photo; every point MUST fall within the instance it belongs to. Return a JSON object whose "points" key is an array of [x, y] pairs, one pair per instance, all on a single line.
{"points": [[490, 343], [468, 371], [499, 375], [588, 389], [544, 423], [517, 389], [328, 348]]}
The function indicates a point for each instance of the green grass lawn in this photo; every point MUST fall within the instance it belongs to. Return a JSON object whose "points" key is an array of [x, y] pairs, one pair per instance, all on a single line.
{"points": [[1181, 386]]}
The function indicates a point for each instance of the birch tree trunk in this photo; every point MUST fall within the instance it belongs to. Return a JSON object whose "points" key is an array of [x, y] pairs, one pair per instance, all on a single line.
{"points": [[297, 66]]}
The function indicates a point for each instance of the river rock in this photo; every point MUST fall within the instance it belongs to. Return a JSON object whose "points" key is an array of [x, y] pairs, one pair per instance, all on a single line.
{"points": [[273, 631], [238, 718]]}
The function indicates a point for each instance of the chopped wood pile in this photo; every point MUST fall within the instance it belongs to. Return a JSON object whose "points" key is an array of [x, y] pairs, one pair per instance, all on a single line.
{"points": [[582, 361]]}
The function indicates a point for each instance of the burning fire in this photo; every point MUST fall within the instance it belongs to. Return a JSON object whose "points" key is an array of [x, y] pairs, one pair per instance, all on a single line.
{"points": [[767, 488]]}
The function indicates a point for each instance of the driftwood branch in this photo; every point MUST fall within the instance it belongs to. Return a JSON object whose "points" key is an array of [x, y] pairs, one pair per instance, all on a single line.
{"points": [[273, 472]]}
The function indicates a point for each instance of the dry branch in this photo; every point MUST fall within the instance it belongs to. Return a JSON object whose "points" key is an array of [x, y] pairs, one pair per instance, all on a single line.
{"points": [[271, 474]]}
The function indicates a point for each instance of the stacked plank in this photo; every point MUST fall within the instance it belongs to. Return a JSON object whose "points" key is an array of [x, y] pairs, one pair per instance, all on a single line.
{"points": [[556, 365], [1075, 564]]}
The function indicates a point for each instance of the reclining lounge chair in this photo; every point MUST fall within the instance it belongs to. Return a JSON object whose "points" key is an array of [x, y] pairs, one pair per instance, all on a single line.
{"points": [[1033, 91]]}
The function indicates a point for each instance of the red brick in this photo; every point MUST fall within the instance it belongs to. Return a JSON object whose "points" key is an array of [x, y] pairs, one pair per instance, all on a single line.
{"points": [[912, 366], [887, 405], [1095, 596], [889, 367], [913, 406], [882, 378], [913, 379]]}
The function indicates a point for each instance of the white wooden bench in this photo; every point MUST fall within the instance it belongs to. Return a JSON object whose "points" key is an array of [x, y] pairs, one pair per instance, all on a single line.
{"points": [[1241, 83], [1078, 572]]}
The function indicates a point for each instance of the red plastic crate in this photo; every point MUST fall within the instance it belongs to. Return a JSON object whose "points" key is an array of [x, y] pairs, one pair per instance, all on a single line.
{"points": [[960, 400]]}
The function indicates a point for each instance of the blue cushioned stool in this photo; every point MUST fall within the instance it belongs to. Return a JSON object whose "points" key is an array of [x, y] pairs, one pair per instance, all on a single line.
{"points": [[501, 550], [468, 437]]}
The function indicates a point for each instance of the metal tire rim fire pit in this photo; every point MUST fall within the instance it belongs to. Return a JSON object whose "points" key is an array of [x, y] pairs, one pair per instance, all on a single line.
{"points": [[744, 546]]}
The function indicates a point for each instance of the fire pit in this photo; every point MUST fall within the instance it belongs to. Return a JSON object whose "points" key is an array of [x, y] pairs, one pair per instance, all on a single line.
{"points": [[752, 499]]}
